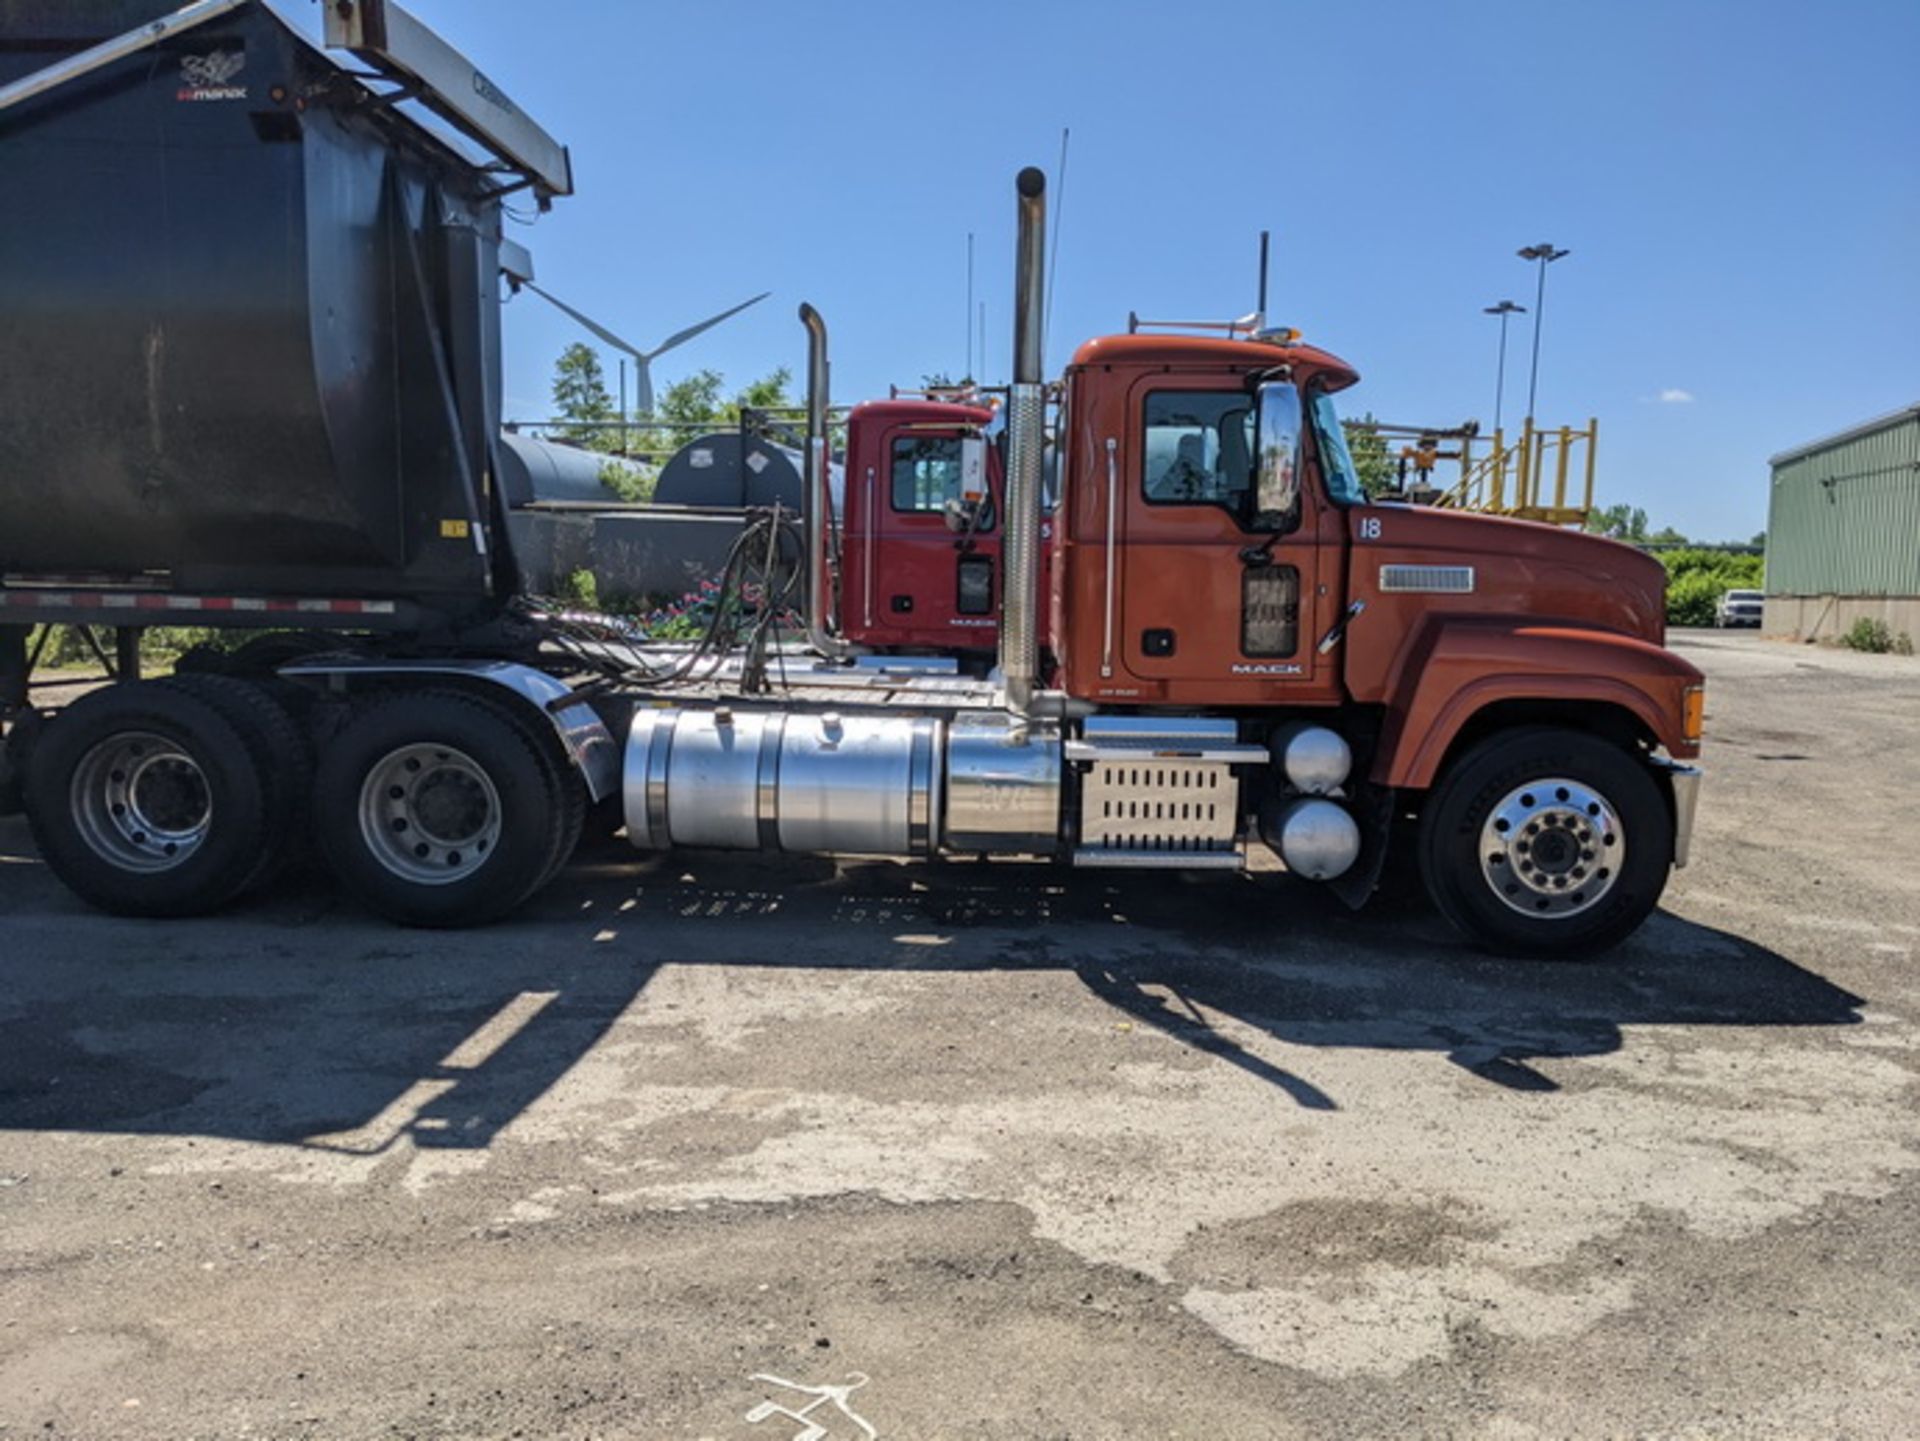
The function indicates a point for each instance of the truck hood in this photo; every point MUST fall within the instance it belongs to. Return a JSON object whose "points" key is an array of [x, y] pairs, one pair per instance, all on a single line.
{"points": [[1524, 568]]}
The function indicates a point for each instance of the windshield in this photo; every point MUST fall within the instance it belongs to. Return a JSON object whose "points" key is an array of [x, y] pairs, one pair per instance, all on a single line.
{"points": [[1336, 461]]}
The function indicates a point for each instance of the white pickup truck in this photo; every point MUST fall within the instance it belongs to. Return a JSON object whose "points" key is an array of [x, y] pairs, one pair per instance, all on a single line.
{"points": [[1739, 607]]}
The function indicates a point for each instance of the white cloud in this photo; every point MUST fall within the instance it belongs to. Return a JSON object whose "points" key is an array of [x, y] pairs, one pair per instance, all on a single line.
{"points": [[1672, 395]]}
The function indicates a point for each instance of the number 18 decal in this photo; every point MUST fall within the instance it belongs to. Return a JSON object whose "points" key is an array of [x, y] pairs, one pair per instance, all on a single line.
{"points": [[1369, 527]]}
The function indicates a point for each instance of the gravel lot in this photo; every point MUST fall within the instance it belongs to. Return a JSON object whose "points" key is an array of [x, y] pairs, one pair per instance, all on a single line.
{"points": [[1041, 1155]]}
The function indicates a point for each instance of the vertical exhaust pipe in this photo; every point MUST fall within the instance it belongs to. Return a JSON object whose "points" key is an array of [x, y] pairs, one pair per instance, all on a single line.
{"points": [[1026, 439], [822, 622]]}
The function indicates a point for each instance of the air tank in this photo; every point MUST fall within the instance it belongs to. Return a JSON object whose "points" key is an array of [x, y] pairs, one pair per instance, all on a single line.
{"points": [[1317, 838], [1315, 760]]}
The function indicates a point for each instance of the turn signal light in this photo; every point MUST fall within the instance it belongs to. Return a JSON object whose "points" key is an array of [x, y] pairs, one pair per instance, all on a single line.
{"points": [[1693, 712]]}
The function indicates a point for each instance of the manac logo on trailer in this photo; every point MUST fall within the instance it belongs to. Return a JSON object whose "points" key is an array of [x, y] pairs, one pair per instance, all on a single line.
{"points": [[208, 77]]}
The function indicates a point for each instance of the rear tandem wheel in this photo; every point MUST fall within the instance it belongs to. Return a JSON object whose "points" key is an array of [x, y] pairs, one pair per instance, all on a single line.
{"points": [[147, 800], [438, 808]]}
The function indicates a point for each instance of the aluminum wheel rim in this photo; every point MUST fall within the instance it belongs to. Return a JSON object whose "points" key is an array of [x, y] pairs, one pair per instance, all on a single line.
{"points": [[429, 814], [141, 802], [1552, 848]]}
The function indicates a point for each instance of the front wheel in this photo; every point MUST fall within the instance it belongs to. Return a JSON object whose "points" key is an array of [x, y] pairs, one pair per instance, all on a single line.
{"points": [[1546, 842]]}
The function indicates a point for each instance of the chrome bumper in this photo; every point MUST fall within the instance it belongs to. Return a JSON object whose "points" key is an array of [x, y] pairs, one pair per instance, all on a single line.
{"points": [[1685, 780]]}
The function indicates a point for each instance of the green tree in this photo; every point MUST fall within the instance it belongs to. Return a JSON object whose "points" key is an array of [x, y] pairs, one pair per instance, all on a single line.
{"points": [[580, 392], [769, 392], [692, 400], [1372, 461], [697, 400], [1620, 522]]}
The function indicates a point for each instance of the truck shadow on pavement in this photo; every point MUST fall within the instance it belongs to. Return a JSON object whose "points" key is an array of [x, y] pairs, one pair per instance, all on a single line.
{"points": [[298, 1021]]}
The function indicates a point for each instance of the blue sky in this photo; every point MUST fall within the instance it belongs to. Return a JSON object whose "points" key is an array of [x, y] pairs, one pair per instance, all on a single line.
{"points": [[1739, 185]]}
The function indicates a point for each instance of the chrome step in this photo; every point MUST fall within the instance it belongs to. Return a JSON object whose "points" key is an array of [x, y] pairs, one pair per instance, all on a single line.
{"points": [[1117, 858], [1117, 751]]}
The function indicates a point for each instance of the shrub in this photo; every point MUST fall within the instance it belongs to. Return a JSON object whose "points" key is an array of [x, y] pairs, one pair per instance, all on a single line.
{"points": [[1869, 635], [583, 589], [1697, 578], [631, 483], [1694, 598], [67, 648]]}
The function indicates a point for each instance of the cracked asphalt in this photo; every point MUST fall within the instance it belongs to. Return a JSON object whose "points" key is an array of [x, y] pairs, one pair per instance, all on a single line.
{"points": [[1036, 1154]]}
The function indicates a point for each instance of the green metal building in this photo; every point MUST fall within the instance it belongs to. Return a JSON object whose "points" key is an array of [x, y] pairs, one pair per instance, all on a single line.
{"points": [[1843, 531]]}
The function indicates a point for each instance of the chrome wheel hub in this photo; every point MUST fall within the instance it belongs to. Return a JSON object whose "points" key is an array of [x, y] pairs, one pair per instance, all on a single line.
{"points": [[141, 802], [1552, 848], [429, 814]]}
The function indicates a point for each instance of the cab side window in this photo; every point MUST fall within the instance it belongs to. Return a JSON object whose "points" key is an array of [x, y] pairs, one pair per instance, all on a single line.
{"points": [[926, 472], [929, 474], [1199, 449]]}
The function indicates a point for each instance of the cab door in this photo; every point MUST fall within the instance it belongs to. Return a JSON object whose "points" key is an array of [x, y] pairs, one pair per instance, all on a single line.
{"points": [[931, 566], [1219, 602]]}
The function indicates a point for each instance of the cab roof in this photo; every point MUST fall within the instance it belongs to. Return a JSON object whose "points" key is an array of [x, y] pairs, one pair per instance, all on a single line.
{"points": [[922, 411], [1218, 350]]}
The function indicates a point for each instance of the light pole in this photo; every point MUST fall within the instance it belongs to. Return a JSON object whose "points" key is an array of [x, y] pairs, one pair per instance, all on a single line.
{"points": [[1545, 254], [1503, 310]]}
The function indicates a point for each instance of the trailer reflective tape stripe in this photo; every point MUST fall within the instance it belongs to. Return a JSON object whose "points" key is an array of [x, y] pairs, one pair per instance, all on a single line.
{"points": [[199, 604]]}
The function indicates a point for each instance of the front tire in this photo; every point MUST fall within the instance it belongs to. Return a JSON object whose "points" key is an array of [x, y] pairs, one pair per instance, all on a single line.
{"points": [[1544, 842], [434, 809]]}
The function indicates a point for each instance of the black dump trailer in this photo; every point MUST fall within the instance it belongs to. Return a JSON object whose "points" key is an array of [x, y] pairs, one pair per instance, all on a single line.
{"points": [[249, 333], [250, 376]]}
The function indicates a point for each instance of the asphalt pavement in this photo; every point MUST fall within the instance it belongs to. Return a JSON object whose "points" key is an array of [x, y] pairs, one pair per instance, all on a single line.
{"points": [[1009, 1151]]}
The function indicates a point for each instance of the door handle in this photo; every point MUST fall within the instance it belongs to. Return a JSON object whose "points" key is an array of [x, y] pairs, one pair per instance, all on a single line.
{"points": [[1339, 632]]}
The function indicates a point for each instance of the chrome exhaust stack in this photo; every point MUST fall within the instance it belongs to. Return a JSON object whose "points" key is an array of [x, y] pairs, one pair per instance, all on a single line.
{"points": [[822, 618], [1026, 439]]}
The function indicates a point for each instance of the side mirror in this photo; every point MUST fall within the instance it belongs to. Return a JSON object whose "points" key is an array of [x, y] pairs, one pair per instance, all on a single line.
{"points": [[1276, 484], [967, 512]]}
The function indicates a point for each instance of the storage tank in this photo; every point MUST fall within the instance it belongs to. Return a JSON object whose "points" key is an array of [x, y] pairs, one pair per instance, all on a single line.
{"points": [[534, 470], [729, 469], [249, 320]]}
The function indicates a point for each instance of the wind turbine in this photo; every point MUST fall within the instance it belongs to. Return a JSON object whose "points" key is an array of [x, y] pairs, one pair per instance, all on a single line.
{"points": [[640, 357]]}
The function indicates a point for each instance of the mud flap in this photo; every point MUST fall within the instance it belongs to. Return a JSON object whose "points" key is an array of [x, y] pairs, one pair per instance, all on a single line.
{"points": [[1372, 808]]}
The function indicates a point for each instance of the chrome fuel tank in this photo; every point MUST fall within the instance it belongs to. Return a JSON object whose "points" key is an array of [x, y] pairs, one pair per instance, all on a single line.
{"points": [[1003, 784], [770, 780]]}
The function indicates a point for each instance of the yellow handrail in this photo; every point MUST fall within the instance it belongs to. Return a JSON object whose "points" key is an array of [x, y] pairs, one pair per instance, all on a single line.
{"points": [[1512, 479]]}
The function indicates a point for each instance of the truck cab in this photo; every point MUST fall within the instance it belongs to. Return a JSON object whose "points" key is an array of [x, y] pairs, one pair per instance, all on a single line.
{"points": [[921, 528], [1217, 551]]}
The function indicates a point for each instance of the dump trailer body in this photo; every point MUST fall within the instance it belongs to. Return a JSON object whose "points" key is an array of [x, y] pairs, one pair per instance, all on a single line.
{"points": [[249, 322]]}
